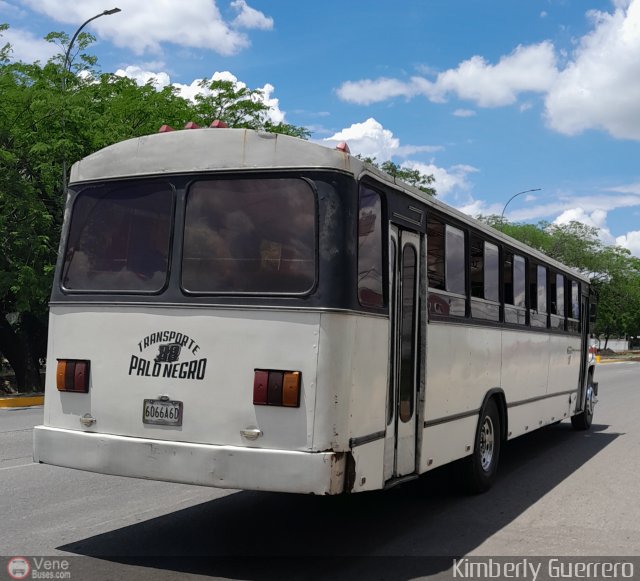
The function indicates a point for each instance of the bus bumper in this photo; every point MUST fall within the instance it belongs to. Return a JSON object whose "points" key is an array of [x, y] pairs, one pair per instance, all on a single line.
{"points": [[202, 464]]}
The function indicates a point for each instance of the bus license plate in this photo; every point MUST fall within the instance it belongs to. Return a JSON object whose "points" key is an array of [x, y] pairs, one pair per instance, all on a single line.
{"points": [[164, 413]]}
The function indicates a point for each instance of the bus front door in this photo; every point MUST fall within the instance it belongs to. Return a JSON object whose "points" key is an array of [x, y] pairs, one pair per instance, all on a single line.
{"points": [[404, 271]]}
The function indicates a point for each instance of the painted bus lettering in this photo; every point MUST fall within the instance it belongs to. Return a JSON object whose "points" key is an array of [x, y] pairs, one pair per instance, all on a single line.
{"points": [[194, 369]]}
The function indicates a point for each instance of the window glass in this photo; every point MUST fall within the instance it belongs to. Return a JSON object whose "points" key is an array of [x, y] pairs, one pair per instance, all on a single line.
{"points": [[533, 286], [491, 272], [455, 263], [542, 289], [370, 249], [560, 295], [557, 292], [407, 338], [477, 267], [250, 236], [575, 301], [119, 238], [519, 284], [435, 254]]}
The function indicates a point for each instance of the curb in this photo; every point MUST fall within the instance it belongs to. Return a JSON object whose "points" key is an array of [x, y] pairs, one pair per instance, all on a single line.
{"points": [[21, 401]]}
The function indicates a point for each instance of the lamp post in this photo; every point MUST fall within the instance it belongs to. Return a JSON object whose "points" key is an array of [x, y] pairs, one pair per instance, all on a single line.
{"points": [[66, 68], [515, 196]]}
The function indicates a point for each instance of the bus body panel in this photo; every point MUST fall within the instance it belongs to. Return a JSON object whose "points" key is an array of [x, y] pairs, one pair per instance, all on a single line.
{"points": [[351, 404], [122, 343], [189, 463], [463, 364]]}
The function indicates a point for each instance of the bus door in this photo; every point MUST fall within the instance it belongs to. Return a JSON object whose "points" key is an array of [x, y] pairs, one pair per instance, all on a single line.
{"points": [[584, 348], [400, 439]]}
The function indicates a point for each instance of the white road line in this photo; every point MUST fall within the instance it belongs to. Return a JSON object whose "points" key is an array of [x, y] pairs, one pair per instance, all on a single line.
{"points": [[18, 466]]}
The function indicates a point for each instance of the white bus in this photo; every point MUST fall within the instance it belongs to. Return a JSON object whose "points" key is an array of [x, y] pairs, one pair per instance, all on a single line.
{"points": [[253, 311]]}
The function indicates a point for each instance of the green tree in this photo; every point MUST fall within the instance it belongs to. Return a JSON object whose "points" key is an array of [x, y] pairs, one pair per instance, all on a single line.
{"points": [[411, 176]]}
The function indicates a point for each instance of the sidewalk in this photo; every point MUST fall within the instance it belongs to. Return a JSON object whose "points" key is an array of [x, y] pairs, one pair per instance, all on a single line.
{"points": [[19, 401]]}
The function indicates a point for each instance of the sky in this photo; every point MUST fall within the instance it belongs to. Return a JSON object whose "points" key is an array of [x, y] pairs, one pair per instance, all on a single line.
{"points": [[492, 98]]}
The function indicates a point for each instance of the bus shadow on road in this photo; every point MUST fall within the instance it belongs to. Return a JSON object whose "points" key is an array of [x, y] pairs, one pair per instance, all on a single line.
{"points": [[407, 532]]}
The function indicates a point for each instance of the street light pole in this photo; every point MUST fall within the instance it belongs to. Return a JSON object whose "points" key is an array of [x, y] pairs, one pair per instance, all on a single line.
{"points": [[66, 69], [515, 196]]}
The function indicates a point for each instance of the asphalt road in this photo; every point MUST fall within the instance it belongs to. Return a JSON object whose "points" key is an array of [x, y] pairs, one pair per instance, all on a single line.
{"points": [[560, 492]]}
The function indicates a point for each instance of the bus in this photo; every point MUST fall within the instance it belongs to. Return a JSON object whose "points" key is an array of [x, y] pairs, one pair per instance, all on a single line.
{"points": [[248, 310]]}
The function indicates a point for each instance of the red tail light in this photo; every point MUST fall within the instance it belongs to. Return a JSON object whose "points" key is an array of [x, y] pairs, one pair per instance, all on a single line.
{"points": [[191, 125], [73, 375], [217, 124], [277, 388]]}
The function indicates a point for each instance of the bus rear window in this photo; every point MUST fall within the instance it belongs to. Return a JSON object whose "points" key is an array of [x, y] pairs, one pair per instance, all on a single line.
{"points": [[250, 236], [119, 238]]}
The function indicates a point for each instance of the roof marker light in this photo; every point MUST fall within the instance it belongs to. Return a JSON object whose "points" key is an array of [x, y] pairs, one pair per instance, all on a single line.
{"points": [[191, 125], [217, 124], [343, 147], [165, 129]]}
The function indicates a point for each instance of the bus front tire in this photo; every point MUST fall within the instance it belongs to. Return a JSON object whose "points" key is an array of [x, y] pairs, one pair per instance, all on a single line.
{"points": [[582, 421], [482, 465]]}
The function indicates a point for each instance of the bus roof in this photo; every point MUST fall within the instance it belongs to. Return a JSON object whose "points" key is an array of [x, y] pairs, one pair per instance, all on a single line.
{"points": [[209, 150]]}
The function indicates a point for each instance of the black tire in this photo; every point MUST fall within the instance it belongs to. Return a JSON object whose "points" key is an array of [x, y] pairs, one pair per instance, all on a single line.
{"points": [[482, 465], [582, 421]]}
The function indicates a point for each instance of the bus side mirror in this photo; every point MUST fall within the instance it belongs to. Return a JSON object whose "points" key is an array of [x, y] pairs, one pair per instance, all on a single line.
{"points": [[593, 311]]}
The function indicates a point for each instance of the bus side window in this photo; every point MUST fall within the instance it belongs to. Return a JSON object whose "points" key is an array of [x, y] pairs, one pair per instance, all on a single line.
{"points": [[446, 269], [573, 320], [484, 280], [514, 269], [556, 295], [370, 249], [538, 294]]}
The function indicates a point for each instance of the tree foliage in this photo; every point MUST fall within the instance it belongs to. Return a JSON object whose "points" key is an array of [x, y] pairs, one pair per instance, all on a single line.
{"points": [[51, 117], [411, 176], [614, 272]]}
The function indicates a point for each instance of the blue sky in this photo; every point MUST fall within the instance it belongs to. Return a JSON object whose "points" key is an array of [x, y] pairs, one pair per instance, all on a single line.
{"points": [[493, 98]]}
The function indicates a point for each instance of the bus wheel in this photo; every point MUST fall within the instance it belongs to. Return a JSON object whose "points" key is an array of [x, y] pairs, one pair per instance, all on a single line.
{"points": [[582, 421], [482, 465]]}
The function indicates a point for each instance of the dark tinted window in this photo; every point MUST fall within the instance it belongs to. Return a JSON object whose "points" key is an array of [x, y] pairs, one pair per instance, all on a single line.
{"points": [[370, 249], [455, 271], [519, 284], [250, 236], [119, 238], [484, 270], [542, 289], [435, 254], [407, 337]]}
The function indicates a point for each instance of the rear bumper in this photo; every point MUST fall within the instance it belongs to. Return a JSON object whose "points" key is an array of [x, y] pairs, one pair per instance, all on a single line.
{"points": [[202, 464]]}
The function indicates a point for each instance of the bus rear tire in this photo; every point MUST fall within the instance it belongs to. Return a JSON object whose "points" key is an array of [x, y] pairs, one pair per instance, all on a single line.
{"points": [[482, 465], [583, 420]]}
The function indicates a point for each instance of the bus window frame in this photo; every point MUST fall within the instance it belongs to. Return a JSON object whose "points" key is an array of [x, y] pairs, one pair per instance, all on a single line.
{"points": [[75, 191], [245, 176]]}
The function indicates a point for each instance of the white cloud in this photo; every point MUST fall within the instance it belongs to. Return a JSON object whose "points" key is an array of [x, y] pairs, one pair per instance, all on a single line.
{"points": [[250, 17], [371, 139], [27, 47], [600, 88], [596, 219], [631, 241], [142, 77], [369, 91], [527, 69], [464, 113], [142, 28]]}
